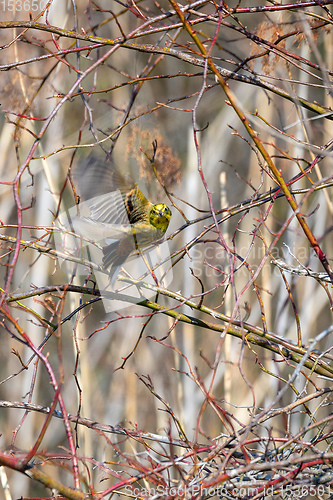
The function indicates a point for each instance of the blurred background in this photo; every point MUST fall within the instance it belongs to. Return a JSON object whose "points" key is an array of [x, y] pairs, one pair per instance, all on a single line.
{"points": [[108, 79]]}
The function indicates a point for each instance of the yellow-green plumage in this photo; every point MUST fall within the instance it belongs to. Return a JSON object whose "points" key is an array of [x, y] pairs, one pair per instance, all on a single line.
{"points": [[150, 226], [121, 214]]}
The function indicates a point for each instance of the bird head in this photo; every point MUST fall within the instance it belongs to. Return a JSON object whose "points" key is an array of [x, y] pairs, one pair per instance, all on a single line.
{"points": [[159, 216]]}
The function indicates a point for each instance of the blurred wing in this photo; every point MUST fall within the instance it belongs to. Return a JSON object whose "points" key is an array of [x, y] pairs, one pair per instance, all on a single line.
{"points": [[95, 230], [108, 208], [111, 197], [94, 177], [113, 211]]}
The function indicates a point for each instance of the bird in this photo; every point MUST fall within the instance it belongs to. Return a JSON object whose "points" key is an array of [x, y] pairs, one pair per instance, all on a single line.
{"points": [[120, 216]]}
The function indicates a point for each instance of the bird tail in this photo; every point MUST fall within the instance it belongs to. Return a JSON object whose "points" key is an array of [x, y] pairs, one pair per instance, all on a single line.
{"points": [[114, 256], [110, 255]]}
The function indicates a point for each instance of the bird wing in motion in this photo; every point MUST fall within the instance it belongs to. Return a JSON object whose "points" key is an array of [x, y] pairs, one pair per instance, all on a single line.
{"points": [[116, 219], [110, 197], [113, 212]]}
